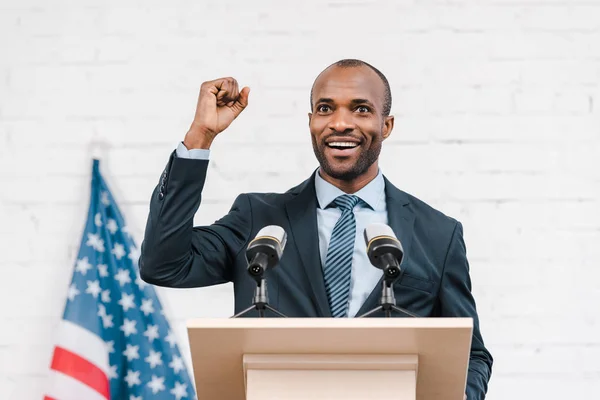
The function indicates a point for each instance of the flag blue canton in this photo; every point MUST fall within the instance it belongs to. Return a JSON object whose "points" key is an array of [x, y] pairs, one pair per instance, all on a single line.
{"points": [[108, 298]]}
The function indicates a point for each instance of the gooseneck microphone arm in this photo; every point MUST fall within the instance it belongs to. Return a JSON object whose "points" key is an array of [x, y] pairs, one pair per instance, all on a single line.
{"points": [[263, 253], [385, 252]]}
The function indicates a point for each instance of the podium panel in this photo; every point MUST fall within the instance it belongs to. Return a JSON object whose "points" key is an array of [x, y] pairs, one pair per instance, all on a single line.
{"points": [[334, 377], [326, 358]]}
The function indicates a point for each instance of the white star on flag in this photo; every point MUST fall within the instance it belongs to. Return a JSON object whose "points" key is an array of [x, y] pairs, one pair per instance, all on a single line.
{"points": [[83, 265], [118, 251], [95, 242], [105, 296], [98, 220], [111, 225], [134, 255], [128, 327], [101, 310], [157, 384], [112, 372], [132, 397], [153, 358], [103, 270], [106, 318], [126, 301], [179, 391], [72, 292], [133, 378], [131, 352], [104, 198], [152, 332], [110, 346], [177, 364], [123, 277], [125, 230], [170, 338], [93, 288], [141, 284], [147, 307]]}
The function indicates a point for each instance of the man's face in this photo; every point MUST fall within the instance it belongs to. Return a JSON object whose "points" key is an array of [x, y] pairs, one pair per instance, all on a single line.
{"points": [[347, 126]]}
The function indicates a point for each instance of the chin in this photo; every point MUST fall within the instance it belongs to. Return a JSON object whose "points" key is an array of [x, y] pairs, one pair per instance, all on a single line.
{"points": [[344, 173]]}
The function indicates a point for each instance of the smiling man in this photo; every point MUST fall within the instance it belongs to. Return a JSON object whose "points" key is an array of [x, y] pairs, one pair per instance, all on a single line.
{"points": [[324, 271]]}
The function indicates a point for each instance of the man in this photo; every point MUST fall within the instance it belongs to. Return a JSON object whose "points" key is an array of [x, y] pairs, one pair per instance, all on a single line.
{"points": [[324, 270]]}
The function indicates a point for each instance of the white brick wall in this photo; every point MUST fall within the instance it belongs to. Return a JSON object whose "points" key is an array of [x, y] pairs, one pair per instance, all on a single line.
{"points": [[497, 108]]}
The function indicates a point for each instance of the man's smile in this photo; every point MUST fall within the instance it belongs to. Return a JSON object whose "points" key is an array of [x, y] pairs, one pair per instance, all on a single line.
{"points": [[342, 149]]}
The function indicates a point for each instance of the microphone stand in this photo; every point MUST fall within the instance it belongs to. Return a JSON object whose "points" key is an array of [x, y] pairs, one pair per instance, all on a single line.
{"points": [[260, 301], [387, 302]]}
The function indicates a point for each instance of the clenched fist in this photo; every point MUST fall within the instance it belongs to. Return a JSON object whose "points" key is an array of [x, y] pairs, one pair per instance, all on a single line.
{"points": [[219, 103]]}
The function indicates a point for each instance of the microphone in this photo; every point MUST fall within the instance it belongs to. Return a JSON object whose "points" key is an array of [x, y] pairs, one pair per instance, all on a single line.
{"points": [[263, 253], [265, 250], [384, 250]]}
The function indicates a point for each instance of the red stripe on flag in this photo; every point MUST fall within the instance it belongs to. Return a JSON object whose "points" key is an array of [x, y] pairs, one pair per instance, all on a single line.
{"points": [[81, 369], [49, 398]]}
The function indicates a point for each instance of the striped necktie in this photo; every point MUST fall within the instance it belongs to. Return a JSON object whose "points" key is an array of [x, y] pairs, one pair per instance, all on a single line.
{"points": [[338, 263]]}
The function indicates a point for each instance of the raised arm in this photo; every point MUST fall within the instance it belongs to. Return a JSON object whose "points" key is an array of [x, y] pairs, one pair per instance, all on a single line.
{"points": [[175, 253]]}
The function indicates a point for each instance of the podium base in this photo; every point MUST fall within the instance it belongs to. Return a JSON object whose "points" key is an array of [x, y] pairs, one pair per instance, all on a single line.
{"points": [[331, 377]]}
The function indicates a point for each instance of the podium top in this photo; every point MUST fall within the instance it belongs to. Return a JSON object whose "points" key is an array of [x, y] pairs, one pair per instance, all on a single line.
{"points": [[329, 323], [442, 346]]}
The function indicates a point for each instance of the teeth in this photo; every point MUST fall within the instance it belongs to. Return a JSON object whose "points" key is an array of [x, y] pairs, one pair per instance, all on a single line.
{"points": [[342, 144]]}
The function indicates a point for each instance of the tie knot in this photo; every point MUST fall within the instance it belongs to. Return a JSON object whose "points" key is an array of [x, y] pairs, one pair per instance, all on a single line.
{"points": [[346, 202]]}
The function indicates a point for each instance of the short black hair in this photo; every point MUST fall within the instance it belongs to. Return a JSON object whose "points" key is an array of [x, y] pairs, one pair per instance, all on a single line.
{"points": [[353, 63]]}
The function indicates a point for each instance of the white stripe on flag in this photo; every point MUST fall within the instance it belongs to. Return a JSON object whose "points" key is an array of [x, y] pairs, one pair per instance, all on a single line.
{"points": [[63, 387], [84, 343]]}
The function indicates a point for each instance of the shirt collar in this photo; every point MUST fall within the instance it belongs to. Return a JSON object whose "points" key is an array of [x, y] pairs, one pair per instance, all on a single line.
{"points": [[372, 193]]}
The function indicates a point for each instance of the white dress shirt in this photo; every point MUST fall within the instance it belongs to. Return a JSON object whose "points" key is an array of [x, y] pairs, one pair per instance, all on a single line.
{"points": [[364, 275]]}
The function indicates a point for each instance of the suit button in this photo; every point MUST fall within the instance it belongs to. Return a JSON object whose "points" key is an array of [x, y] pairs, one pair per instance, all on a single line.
{"points": [[161, 195]]}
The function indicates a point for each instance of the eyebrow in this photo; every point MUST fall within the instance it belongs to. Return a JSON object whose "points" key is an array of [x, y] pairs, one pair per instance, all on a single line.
{"points": [[362, 101], [353, 101]]}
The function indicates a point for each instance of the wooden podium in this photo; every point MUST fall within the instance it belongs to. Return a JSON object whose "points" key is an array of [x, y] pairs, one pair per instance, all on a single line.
{"points": [[326, 358]]}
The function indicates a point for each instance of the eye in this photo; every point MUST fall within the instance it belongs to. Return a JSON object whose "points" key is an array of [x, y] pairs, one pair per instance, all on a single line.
{"points": [[363, 109], [323, 108]]}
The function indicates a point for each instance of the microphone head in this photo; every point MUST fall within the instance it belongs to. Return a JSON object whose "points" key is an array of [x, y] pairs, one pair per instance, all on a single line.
{"points": [[275, 233], [378, 229], [269, 244], [381, 244]]}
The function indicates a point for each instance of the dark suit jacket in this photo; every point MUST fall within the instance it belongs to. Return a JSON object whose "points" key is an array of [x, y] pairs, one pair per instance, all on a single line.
{"points": [[174, 253]]}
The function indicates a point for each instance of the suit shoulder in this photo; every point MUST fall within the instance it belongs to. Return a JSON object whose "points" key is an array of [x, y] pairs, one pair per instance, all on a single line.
{"points": [[272, 199], [276, 199], [431, 214], [268, 198]]}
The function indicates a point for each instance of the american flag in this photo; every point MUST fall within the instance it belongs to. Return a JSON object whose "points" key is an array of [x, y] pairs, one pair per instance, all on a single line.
{"points": [[114, 340]]}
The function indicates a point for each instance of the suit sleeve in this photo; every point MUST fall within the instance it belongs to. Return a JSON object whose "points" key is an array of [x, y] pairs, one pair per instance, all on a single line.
{"points": [[174, 253], [456, 300]]}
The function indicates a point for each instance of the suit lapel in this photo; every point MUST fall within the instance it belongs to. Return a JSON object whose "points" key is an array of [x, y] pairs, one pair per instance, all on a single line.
{"points": [[401, 219], [302, 214]]}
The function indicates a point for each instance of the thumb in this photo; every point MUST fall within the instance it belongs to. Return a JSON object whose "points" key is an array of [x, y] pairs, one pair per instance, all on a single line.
{"points": [[242, 101]]}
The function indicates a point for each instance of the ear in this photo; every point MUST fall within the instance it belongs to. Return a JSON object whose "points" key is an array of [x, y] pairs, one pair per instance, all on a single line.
{"points": [[309, 117], [388, 125]]}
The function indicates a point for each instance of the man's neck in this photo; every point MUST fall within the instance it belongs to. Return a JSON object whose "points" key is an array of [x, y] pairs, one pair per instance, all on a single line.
{"points": [[355, 184]]}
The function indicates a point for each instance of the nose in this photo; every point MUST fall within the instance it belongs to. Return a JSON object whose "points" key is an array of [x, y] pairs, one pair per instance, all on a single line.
{"points": [[341, 121]]}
